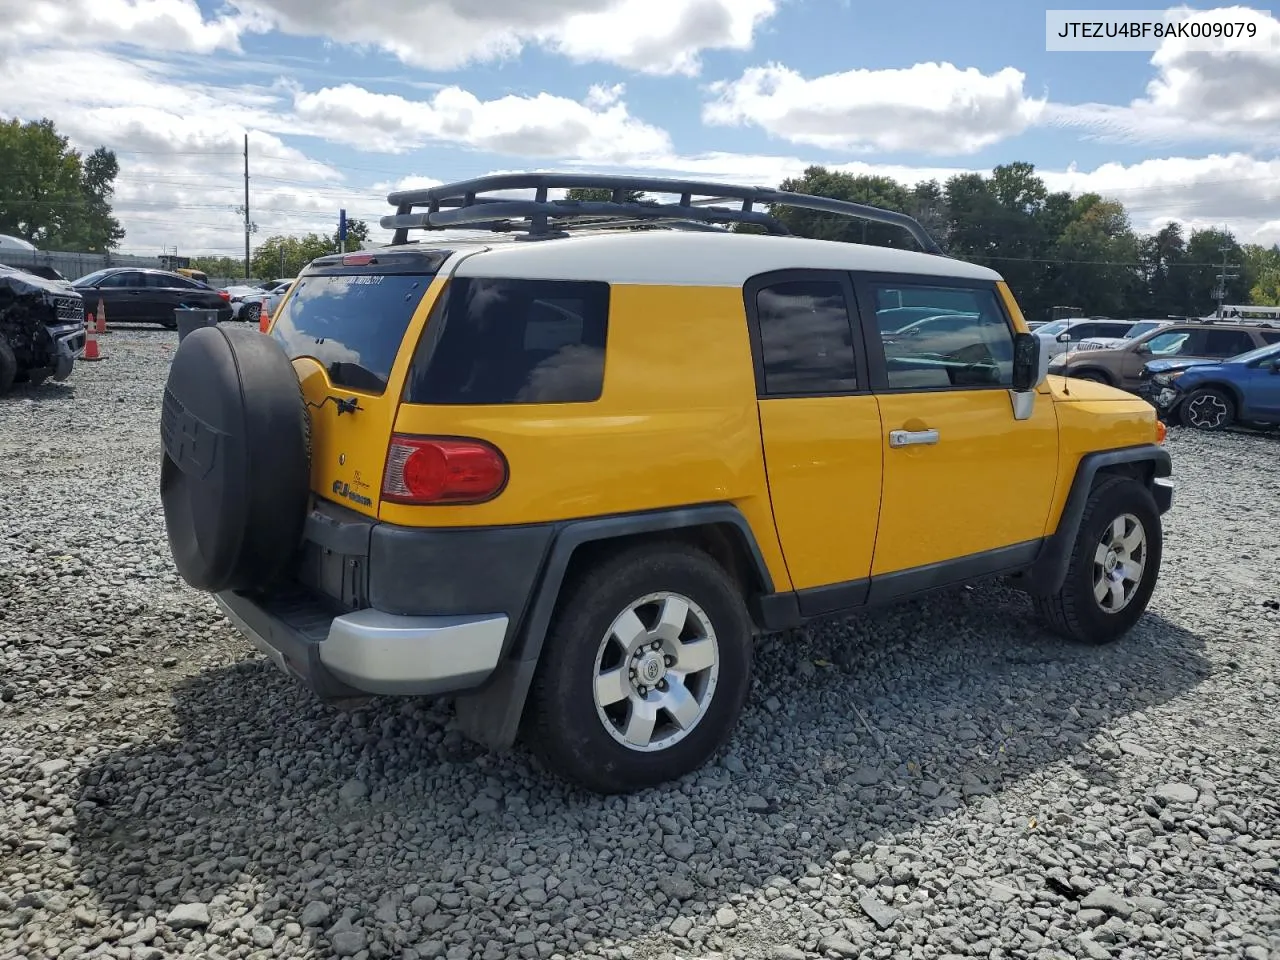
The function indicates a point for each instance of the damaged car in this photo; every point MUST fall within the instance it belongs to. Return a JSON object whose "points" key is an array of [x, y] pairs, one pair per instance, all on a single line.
{"points": [[42, 328]]}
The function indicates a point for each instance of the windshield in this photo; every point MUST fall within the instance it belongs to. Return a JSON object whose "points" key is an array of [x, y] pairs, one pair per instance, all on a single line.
{"points": [[352, 324], [1168, 344], [89, 279], [1146, 326], [1053, 327], [1258, 353]]}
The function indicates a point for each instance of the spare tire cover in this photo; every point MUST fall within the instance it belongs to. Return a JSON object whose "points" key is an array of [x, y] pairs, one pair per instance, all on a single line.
{"points": [[236, 471]]}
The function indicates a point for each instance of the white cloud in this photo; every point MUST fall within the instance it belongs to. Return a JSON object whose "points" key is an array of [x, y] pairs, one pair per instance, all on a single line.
{"points": [[652, 36], [1224, 90], [176, 25], [932, 108], [600, 129]]}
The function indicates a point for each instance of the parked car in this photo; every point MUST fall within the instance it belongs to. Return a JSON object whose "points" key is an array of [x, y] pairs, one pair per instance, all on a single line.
{"points": [[134, 295], [1060, 335], [1122, 366], [42, 329], [271, 302], [246, 302], [500, 468], [1139, 328], [1213, 395]]}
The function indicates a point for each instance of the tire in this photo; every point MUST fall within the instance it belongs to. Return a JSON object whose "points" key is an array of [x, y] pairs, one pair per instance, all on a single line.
{"points": [[1208, 409], [8, 367], [579, 739], [251, 313], [235, 471], [1075, 611]]}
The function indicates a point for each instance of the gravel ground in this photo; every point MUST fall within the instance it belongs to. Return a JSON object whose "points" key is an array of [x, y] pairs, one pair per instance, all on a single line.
{"points": [[940, 780]]}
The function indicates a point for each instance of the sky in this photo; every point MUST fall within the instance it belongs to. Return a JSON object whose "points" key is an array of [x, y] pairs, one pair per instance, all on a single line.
{"points": [[346, 100]]}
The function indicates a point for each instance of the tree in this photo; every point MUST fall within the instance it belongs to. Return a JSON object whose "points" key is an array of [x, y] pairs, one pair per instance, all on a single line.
{"points": [[49, 196], [1261, 268], [882, 192], [1164, 258], [357, 236], [282, 256], [1097, 258], [1205, 252]]}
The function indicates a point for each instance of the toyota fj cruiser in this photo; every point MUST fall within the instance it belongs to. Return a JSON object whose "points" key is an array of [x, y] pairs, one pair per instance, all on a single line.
{"points": [[564, 464]]}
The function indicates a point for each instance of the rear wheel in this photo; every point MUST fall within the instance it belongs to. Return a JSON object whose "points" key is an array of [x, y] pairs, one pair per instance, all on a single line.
{"points": [[644, 673], [251, 313], [1114, 565], [1208, 409]]}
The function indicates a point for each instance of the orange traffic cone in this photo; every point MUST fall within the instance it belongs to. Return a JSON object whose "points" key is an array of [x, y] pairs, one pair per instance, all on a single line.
{"points": [[91, 350], [101, 325]]}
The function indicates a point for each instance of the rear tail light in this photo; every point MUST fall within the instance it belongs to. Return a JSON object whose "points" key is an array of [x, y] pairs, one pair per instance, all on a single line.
{"points": [[358, 260], [442, 470], [224, 295]]}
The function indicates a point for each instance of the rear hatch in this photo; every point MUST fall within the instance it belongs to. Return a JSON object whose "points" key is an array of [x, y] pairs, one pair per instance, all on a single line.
{"points": [[345, 324]]}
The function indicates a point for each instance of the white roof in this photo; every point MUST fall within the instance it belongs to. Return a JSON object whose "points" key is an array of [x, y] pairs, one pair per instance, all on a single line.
{"points": [[15, 243], [686, 258]]}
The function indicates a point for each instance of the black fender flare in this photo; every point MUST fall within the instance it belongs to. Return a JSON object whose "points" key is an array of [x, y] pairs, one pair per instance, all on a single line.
{"points": [[1050, 568], [491, 715]]}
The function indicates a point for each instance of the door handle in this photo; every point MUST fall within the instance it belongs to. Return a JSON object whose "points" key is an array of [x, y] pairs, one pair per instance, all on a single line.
{"points": [[912, 438]]}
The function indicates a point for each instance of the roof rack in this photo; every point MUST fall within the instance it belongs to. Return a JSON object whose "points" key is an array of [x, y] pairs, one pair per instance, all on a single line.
{"points": [[461, 205]]}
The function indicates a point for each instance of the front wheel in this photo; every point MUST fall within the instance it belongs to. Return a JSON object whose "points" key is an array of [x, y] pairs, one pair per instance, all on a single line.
{"points": [[1114, 564], [644, 673], [1208, 409]]}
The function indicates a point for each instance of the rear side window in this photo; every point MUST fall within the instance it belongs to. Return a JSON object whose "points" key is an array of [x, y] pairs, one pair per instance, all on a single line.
{"points": [[502, 341], [806, 339], [1227, 343], [352, 324], [1271, 337]]}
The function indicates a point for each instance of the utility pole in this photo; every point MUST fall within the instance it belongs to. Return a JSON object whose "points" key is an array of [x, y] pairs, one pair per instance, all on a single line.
{"points": [[1223, 277], [246, 207]]}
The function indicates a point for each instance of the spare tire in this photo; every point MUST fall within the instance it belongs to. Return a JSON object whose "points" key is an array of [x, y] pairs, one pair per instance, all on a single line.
{"points": [[236, 470]]}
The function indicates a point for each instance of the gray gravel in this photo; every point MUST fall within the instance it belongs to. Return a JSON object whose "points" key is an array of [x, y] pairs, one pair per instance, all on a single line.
{"points": [[939, 780]]}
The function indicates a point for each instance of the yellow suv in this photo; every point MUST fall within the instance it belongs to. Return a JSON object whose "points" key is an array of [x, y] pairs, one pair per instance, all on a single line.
{"points": [[562, 460]]}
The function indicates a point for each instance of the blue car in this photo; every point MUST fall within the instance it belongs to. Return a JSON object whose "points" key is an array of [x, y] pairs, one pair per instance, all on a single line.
{"points": [[1214, 394]]}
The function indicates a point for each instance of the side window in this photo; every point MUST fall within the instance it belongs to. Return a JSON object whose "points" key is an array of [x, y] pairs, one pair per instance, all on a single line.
{"points": [[967, 343], [499, 341], [1082, 331], [122, 280], [806, 338], [1271, 336], [1227, 343], [1112, 329]]}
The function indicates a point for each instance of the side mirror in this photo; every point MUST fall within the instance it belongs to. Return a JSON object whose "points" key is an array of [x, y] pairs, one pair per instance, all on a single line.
{"points": [[1144, 348], [1275, 365], [1030, 362], [1064, 337]]}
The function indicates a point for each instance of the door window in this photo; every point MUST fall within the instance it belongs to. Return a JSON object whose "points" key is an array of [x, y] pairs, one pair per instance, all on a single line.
{"points": [[968, 343], [806, 338]]}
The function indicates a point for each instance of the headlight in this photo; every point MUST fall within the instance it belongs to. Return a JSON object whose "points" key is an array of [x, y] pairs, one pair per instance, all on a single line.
{"points": [[1166, 379]]}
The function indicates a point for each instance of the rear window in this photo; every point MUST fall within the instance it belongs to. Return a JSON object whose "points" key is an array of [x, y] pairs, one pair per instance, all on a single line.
{"points": [[502, 341], [352, 324]]}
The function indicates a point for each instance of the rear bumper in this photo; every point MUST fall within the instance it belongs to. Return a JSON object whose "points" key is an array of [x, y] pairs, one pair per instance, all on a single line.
{"points": [[368, 652]]}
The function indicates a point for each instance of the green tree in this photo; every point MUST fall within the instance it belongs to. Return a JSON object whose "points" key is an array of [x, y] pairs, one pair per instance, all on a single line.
{"points": [[1098, 264], [282, 256], [219, 266], [1164, 263], [1261, 268], [52, 198], [357, 235], [882, 192], [1205, 252]]}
